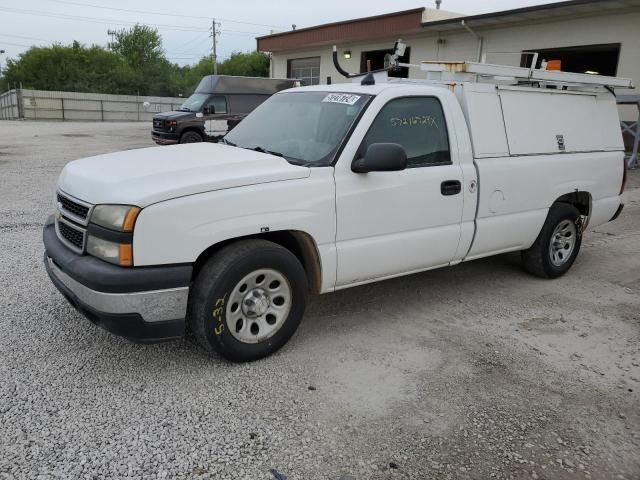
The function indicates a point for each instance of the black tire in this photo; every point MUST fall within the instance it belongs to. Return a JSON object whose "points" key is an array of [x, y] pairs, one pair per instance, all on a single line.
{"points": [[538, 259], [209, 302], [191, 137]]}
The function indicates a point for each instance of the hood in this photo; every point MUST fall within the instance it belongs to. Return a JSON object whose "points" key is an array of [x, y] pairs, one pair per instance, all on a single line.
{"points": [[150, 175], [175, 115]]}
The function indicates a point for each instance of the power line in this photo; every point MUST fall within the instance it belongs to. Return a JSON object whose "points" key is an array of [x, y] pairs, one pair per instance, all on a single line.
{"points": [[199, 17], [16, 44], [206, 55], [240, 32], [182, 48], [183, 28], [22, 36]]}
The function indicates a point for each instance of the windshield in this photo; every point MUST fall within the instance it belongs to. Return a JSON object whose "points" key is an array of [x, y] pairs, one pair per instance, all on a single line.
{"points": [[304, 127], [194, 102]]}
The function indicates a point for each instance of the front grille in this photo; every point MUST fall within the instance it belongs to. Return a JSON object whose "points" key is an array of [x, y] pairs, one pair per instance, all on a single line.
{"points": [[72, 235], [158, 124], [74, 208]]}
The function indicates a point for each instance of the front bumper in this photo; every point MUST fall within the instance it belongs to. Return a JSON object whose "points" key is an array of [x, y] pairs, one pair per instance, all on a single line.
{"points": [[143, 304], [164, 138]]}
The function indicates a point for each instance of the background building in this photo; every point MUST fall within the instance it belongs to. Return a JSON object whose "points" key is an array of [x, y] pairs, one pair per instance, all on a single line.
{"points": [[600, 36]]}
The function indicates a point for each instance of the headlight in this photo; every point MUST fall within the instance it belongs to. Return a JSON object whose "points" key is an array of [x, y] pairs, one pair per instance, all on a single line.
{"points": [[115, 217], [117, 253], [120, 219]]}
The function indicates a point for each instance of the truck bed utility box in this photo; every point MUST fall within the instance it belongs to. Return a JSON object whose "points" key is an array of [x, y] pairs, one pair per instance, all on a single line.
{"points": [[512, 120]]}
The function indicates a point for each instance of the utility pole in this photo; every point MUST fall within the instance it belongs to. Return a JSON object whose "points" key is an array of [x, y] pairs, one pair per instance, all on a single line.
{"points": [[214, 44], [112, 34]]}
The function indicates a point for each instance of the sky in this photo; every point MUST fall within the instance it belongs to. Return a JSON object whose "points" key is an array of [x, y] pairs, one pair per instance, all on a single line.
{"points": [[184, 25]]}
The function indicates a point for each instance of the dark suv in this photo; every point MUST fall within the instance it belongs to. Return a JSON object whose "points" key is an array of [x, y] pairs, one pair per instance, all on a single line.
{"points": [[218, 105]]}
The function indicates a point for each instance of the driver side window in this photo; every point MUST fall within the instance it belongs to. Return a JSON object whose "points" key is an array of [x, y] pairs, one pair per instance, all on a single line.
{"points": [[217, 105], [415, 123]]}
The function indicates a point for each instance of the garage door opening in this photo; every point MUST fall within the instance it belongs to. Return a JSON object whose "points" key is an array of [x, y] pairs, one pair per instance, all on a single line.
{"points": [[595, 59], [374, 60]]}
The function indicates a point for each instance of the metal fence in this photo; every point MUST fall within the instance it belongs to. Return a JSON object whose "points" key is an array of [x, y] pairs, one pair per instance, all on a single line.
{"points": [[52, 105], [9, 105]]}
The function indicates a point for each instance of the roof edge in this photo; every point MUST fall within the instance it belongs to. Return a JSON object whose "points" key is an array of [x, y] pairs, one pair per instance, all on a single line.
{"points": [[343, 22], [513, 11]]}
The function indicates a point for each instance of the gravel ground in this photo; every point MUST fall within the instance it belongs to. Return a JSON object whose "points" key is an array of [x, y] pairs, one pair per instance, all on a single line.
{"points": [[477, 371]]}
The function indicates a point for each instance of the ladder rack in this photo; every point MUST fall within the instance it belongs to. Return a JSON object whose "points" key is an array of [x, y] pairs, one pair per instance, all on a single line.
{"points": [[463, 71]]}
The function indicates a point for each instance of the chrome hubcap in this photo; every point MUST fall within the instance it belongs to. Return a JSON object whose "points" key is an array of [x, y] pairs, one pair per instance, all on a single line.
{"points": [[258, 306], [563, 241]]}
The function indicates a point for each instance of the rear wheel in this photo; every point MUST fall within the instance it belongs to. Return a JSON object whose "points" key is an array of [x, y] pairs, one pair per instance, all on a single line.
{"points": [[191, 137], [248, 300], [558, 243]]}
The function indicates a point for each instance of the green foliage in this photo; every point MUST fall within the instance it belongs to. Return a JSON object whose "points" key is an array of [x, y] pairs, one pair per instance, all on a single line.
{"points": [[73, 68], [136, 64], [140, 46], [254, 64]]}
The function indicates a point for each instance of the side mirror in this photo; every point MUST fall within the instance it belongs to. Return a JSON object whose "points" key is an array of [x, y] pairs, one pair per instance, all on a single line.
{"points": [[381, 157], [208, 110]]}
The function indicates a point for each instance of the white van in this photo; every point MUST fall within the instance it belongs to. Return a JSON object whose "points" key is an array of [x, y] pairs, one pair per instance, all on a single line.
{"points": [[326, 187]]}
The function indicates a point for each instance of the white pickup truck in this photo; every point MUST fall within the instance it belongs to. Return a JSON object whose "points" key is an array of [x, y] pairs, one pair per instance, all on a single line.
{"points": [[327, 187]]}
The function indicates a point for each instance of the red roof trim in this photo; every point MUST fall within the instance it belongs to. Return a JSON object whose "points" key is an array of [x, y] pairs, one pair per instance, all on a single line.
{"points": [[407, 21]]}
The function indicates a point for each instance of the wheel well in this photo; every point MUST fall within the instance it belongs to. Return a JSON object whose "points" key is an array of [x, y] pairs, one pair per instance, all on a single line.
{"points": [[299, 243], [580, 200]]}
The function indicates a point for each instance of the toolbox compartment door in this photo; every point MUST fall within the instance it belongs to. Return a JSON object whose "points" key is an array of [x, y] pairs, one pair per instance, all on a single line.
{"points": [[546, 121]]}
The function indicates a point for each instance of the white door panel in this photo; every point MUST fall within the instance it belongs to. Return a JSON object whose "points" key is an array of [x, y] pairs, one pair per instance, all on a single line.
{"points": [[389, 223], [394, 222], [215, 127]]}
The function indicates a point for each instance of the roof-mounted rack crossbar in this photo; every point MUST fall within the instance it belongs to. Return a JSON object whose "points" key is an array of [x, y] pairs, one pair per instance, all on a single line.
{"points": [[459, 70], [439, 71]]}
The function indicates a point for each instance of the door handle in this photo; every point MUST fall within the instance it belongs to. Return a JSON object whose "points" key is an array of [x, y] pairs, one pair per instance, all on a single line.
{"points": [[450, 187]]}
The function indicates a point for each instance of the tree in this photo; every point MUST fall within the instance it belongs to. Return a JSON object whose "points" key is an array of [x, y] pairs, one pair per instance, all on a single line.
{"points": [[140, 46], [72, 68], [252, 64], [136, 63]]}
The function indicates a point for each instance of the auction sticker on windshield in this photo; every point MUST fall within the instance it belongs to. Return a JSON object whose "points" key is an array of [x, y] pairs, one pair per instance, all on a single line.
{"points": [[345, 98]]}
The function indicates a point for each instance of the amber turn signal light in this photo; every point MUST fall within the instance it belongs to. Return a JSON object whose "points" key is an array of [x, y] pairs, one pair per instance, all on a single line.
{"points": [[126, 255], [130, 219]]}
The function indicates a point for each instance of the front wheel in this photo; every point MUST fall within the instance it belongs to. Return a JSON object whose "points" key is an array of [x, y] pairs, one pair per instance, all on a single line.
{"points": [[558, 243], [191, 137], [248, 300]]}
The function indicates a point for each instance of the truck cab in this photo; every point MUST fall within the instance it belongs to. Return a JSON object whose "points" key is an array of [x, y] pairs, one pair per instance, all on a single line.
{"points": [[327, 187], [218, 104]]}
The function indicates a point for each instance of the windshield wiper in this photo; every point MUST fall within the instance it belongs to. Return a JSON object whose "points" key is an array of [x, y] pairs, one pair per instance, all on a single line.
{"points": [[181, 109], [293, 161], [264, 150]]}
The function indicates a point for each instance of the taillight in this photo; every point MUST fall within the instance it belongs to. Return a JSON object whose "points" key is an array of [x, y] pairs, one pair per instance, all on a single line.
{"points": [[624, 175]]}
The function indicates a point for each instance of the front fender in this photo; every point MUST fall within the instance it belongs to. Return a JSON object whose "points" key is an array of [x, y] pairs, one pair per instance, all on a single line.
{"points": [[179, 230]]}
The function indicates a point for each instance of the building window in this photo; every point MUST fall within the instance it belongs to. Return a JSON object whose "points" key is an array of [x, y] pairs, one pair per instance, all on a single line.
{"points": [[374, 60], [596, 59], [416, 123], [307, 70]]}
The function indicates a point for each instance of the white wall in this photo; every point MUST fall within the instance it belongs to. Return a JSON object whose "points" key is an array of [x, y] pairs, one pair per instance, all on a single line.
{"points": [[621, 28]]}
